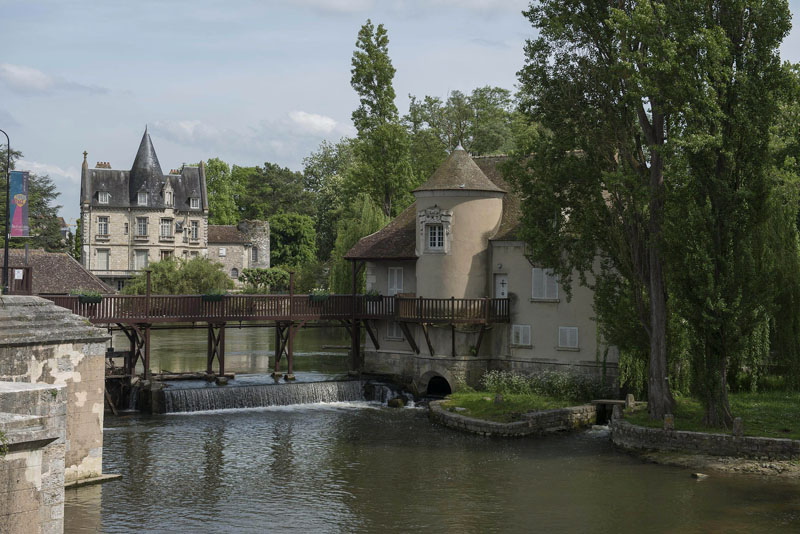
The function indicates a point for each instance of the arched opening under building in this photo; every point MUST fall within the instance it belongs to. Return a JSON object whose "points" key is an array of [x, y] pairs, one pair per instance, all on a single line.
{"points": [[438, 387]]}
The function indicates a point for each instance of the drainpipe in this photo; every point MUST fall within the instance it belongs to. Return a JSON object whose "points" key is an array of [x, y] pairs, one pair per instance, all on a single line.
{"points": [[8, 210]]}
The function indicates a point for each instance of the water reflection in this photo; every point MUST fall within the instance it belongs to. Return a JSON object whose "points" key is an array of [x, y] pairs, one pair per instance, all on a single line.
{"points": [[352, 467]]}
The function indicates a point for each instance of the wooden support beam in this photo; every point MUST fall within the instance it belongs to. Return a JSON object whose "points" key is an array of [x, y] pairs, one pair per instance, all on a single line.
{"points": [[407, 333], [372, 335], [427, 338], [216, 348]]}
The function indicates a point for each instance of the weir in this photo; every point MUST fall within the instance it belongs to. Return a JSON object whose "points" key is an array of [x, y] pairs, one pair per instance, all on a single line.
{"points": [[178, 400]]}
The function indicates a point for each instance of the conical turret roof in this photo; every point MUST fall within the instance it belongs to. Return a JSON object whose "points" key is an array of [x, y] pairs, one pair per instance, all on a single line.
{"points": [[459, 173], [146, 171]]}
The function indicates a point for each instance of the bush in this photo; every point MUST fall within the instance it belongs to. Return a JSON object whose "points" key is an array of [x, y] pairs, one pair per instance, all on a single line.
{"points": [[181, 277], [561, 385], [265, 280]]}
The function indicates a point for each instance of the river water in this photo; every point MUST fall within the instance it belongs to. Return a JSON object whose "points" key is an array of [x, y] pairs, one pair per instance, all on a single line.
{"points": [[360, 467]]}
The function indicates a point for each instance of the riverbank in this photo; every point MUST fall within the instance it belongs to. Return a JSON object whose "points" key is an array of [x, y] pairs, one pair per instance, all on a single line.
{"points": [[789, 469]]}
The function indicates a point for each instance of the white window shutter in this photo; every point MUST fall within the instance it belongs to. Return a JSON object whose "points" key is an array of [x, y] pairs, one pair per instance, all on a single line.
{"points": [[551, 290], [538, 283]]}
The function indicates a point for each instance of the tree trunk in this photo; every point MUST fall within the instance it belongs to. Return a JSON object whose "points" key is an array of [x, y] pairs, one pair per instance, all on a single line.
{"points": [[718, 410], [659, 397]]}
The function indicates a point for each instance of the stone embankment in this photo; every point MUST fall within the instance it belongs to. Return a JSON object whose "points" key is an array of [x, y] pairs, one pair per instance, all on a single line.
{"points": [[640, 438], [542, 422]]}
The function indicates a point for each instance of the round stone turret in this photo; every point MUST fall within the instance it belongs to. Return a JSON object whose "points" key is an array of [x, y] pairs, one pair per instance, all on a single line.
{"points": [[458, 210]]}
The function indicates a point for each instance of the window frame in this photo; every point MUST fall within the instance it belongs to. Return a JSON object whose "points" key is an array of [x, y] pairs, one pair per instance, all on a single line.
{"points": [[142, 195], [234, 270], [254, 254], [393, 331], [194, 203], [165, 223], [439, 237], [392, 290], [566, 330], [142, 222], [103, 223], [523, 331], [548, 282], [139, 253], [194, 230], [103, 197], [222, 252], [107, 253]]}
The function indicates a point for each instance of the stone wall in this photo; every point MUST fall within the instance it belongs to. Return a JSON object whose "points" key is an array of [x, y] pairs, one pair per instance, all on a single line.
{"points": [[542, 422], [42, 343], [33, 420], [635, 437]]}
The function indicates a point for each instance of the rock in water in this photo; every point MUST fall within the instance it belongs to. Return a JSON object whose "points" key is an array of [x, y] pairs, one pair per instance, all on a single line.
{"points": [[699, 476], [222, 380], [397, 402]]}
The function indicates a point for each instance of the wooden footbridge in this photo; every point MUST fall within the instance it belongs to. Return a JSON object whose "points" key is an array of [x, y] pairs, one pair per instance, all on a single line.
{"points": [[136, 315]]}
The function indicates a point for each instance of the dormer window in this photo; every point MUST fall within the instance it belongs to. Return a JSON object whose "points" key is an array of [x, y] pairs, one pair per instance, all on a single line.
{"points": [[142, 200], [168, 198], [435, 233], [103, 197], [194, 203]]}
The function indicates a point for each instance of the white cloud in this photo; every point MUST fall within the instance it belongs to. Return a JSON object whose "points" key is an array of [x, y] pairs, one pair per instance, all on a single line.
{"points": [[312, 123], [189, 132], [337, 6], [31, 81], [60, 175]]}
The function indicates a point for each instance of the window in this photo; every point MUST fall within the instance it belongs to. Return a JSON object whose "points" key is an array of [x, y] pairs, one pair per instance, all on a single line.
{"points": [[141, 226], [125, 228], [435, 236], [194, 203], [168, 198], [194, 254], [234, 273], [166, 227], [254, 254], [103, 197], [521, 335], [395, 281], [545, 284], [222, 252], [142, 200], [102, 259], [102, 225], [195, 230], [393, 330], [140, 259], [568, 337], [166, 254]]}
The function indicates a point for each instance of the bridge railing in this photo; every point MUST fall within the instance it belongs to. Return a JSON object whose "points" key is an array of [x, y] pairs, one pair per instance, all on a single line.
{"points": [[191, 308]]}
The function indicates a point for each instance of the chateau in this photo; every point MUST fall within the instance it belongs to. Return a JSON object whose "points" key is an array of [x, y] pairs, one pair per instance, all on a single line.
{"points": [[130, 218], [460, 239]]}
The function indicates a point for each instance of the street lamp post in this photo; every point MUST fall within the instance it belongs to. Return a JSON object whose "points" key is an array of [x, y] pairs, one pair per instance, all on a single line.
{"points": [[8, 232]]}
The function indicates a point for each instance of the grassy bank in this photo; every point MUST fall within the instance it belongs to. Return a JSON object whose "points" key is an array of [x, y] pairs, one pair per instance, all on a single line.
{"points": [[481, 405], [774, 414]]}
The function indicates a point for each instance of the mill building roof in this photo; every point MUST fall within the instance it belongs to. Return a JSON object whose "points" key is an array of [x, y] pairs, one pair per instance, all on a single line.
{"points": [[225, 233], [55, 273], [459, 172]]}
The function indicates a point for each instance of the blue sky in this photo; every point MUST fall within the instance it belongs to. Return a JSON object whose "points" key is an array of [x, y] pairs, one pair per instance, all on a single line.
{"points": [[246, 81]]}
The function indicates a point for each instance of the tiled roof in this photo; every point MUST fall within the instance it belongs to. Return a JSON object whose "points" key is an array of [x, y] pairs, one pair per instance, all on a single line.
{"points": [[223, 233], [397, 240], [459, 172], [55, 273]]}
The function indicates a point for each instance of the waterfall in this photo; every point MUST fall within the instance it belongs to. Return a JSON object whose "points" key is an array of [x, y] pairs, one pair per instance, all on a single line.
{"points": [[230, 397]]}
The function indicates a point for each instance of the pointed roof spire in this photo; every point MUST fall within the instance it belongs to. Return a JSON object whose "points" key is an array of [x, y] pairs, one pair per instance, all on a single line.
{"points": [[146, 171], [458, 171]]}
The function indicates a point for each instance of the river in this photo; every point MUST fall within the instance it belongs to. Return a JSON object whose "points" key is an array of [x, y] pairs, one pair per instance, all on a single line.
{"points": [[360, 467]]}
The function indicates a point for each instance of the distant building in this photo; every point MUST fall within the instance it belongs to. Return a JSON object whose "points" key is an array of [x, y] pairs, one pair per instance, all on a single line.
{"points": [[244, 246], [54, 273], [461, 239], [130, 218]]}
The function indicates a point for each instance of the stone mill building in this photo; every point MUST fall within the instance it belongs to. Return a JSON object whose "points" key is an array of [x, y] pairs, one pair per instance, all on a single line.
{"points": [[130, 218], [460, 239]]}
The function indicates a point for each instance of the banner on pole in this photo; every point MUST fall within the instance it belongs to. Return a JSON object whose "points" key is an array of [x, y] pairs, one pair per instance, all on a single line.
{"points": [[18, 204]]}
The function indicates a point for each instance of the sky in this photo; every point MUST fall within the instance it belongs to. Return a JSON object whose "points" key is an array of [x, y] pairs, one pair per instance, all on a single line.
{"points": [[247, 81]]}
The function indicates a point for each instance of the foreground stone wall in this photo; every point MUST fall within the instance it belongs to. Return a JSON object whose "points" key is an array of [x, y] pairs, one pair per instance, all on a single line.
{"points": [[41, 343], [543, 422], [634, 437], [33, 420]]}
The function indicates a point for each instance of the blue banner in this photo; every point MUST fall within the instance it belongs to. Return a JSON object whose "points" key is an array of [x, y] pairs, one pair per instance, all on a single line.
{"points": [[18, 204]]}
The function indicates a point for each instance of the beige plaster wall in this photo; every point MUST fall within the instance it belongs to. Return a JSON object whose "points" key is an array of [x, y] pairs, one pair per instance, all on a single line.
{"points": [[460, 272]]}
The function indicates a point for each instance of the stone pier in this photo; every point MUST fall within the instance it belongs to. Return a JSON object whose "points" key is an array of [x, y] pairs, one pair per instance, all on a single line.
{"points": [[41, 343]]}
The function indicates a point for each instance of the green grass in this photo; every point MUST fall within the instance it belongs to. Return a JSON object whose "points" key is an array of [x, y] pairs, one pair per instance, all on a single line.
{"points": [[481, 405], [774, 414]]}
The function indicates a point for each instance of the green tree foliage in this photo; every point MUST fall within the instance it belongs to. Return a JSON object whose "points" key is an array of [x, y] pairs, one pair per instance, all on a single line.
{"points": [[264, 192], [76, 249], [292, 240], [181, 277], [223, 191], [383, 167], [45, 229], [361, 218], [265, 280]]}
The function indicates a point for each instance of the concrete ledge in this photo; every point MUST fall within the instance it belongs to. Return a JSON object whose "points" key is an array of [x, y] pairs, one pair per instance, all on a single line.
{"points": [[90, 481], [633, 437], [543, 422]]}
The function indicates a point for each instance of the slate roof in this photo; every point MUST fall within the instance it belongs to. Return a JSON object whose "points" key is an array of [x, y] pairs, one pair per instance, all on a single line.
{"points": [[397, 240], [55, 273], [459, 172], [145, 175], [224, 233]]}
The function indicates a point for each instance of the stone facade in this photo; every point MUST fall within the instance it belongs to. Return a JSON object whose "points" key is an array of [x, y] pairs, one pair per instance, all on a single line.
{"points": [[33, 421], [41, 343], [130, 218], [634, 437], [244, 246], [544, 422]]}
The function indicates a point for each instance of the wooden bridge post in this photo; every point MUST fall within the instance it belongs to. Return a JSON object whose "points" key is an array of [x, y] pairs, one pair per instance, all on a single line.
{"points": [[147, 351], [290, 353], [276, 374]]}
